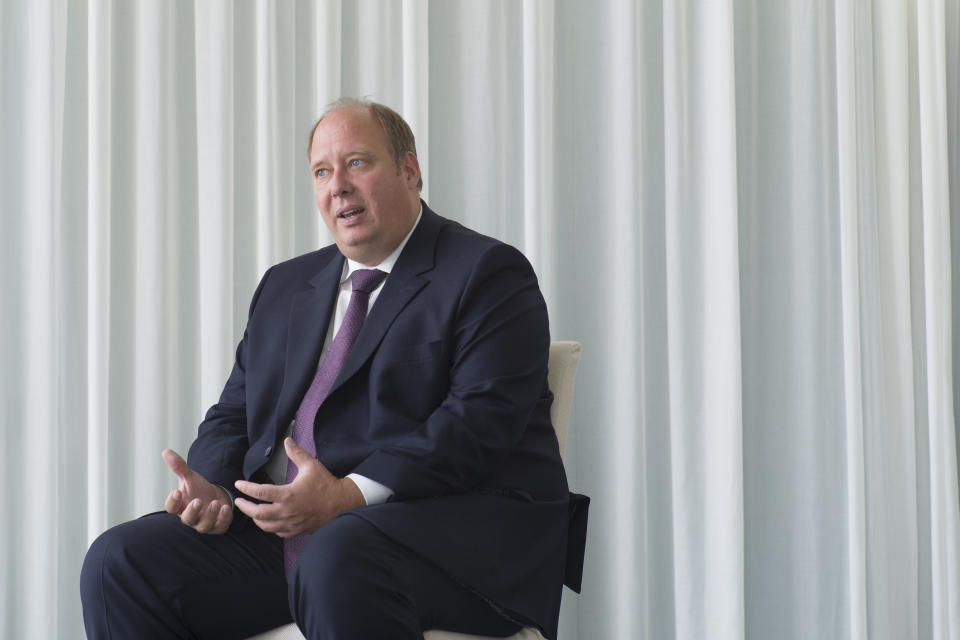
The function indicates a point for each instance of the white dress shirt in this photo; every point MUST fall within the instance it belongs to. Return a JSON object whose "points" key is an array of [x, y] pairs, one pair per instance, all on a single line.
{"points": [[373, 492]]}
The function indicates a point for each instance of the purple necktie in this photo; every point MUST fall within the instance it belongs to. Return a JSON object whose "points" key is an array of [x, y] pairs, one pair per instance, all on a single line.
{"points": [[364, 281]]}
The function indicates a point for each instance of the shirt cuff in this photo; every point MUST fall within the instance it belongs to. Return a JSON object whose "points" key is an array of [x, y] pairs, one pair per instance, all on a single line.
{"points": [[233, 496], [373, 492]]}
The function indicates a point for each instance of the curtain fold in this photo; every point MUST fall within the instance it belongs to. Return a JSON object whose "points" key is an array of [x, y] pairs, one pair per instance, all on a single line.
{"points": [[703, 318], [941, 421], [744, 211], [216, 184]]}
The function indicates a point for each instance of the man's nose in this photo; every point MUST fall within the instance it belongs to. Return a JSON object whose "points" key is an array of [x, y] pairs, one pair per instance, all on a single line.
{"points": [[340, 184]]}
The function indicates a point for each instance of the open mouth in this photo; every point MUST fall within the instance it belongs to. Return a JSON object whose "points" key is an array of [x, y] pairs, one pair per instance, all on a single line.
{"points": [[350, 213]]}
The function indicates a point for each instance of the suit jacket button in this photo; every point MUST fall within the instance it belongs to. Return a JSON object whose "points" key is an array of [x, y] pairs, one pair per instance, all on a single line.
{"points": [[267, 452]]}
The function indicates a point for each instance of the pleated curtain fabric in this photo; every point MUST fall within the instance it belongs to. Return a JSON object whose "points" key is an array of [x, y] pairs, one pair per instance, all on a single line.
{"points": [[765, 410]]}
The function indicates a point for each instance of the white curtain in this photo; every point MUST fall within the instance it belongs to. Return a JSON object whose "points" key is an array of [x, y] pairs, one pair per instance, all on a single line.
{"points": [[741, 208]]}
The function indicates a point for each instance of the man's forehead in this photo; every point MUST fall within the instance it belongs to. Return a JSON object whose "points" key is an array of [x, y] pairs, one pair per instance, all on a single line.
{"points": [[345, 130]]}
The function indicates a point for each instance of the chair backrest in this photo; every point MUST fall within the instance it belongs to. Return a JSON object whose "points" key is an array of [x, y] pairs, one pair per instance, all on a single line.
{"points": [[561, 372]]}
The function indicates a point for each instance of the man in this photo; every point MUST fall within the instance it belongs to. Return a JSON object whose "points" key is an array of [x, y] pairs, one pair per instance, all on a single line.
{"points": [[422, 486]]}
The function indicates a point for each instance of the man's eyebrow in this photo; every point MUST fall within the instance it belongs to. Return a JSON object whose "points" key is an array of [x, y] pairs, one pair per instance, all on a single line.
{"points": [[349, 154]]}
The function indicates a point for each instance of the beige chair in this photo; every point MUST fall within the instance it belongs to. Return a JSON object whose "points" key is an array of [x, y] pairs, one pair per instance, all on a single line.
{"points": [[561, 371]]}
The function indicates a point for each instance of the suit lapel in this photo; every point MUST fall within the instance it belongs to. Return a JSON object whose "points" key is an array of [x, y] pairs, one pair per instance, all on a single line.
{"points": [[409, 276], [310, 313]]}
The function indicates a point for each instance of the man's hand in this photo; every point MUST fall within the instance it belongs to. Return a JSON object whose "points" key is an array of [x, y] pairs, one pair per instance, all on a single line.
{"points": [[314, 498], [200, 504]]}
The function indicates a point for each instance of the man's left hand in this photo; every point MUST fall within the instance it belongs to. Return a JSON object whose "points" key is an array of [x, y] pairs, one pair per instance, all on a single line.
{"points": [[314, 498]]}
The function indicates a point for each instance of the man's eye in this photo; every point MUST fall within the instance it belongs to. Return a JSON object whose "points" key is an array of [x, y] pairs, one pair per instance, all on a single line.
{"points": [[320, 173], [355, 162]]}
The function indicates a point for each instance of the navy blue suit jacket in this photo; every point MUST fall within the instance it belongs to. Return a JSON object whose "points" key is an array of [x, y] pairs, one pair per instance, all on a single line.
{"points": [[443, 398]]}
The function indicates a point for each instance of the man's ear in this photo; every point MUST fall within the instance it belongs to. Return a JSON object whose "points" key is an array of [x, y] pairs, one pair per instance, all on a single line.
{"points": [[411, 169]]}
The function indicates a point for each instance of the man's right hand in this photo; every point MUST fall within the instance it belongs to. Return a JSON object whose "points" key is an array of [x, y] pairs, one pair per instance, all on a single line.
{"points": [[200, 504]]}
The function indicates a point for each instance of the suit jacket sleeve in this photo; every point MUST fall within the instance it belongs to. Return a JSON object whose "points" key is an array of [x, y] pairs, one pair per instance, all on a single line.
{"points": [[222, 439]]}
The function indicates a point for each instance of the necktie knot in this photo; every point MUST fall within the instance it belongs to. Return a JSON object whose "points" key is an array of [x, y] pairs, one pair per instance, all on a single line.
{"points": [[366, 280]]}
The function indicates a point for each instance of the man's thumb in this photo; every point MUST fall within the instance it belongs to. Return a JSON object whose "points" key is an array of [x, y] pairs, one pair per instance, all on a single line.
{"points": [[295, 452], [177, 464]]}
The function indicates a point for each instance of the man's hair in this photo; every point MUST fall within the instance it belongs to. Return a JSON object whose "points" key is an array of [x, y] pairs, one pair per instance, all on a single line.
{"points": [[399, 135]]}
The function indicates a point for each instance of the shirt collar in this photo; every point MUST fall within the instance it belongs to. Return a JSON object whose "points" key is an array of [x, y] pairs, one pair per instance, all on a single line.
{"points": [[349, 266]]}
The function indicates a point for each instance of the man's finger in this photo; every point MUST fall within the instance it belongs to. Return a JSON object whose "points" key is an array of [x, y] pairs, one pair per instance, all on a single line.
{"points": [[275, 527], [265, 492], [190, 515], [256, 511], [282, 527], [224, 518], [244, 505], [174, 502], [177, 464], [208, 517]]}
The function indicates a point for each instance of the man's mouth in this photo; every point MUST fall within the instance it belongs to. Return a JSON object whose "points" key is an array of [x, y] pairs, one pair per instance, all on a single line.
{"points": [[352, 212]]}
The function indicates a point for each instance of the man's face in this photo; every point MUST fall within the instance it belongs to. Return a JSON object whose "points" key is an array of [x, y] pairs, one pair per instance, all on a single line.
{"points": [[368, 204]]}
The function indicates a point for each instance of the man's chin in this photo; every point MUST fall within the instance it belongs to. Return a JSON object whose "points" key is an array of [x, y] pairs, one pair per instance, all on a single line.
{"points": [[359, 251]]}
